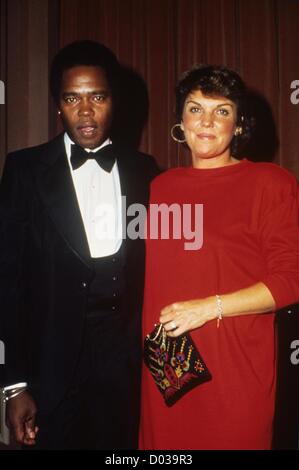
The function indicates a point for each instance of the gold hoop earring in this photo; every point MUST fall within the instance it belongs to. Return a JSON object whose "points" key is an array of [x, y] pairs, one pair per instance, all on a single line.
{"points": [[173, 136]]}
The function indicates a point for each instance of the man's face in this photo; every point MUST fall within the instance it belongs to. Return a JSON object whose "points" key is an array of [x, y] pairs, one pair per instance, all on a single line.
{"points": [[86, 105]]}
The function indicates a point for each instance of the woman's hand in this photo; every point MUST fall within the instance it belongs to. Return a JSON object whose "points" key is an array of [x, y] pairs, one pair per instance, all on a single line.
{"points": [[180, 317]]}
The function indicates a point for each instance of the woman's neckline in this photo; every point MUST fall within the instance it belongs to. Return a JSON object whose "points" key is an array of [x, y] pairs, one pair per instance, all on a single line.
{"points": [[227, 169]]}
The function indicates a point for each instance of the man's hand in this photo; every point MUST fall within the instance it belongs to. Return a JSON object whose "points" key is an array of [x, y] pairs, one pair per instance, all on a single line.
{"points": [[20, 417]]}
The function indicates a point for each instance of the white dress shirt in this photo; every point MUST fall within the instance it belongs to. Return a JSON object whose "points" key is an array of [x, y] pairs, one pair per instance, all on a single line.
{"points": [[99, 198]]}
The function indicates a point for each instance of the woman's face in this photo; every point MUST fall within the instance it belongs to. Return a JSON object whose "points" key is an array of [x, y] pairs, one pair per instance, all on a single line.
{"points": [[209, 124]]}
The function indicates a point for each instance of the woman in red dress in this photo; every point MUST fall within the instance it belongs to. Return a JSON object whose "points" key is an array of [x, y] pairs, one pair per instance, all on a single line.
{"points": [[246, 268]]}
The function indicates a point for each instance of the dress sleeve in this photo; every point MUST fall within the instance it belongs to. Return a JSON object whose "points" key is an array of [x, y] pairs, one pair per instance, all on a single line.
{"points": [[279, 233]]}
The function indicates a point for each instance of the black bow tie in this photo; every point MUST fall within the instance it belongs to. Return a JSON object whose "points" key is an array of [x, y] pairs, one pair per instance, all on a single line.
{"points": [[105, 157]]}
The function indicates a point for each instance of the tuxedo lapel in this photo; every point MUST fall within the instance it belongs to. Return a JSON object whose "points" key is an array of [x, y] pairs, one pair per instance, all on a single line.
{"points": [[127, 175], [56, 188], [133, 188]]}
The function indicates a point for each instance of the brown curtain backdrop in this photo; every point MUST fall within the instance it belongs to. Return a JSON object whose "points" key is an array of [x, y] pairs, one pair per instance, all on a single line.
{"points": [[159, 39], [28, 32]]}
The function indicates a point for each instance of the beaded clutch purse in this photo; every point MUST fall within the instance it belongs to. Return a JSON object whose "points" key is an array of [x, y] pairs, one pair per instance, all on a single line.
{"points": [[175, 364]]}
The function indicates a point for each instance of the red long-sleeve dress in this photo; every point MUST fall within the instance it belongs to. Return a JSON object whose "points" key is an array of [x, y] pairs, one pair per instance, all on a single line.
{"points": [[250, 234]]}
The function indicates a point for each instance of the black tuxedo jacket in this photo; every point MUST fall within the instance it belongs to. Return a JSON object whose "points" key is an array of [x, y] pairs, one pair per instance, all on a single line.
{"points": [[45, 267]]}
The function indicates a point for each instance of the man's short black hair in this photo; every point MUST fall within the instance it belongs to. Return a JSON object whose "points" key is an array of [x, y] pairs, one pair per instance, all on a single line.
{"points": [[88, 53]]}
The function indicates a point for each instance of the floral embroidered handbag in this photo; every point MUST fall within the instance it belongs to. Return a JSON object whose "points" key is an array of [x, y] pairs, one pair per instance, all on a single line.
{"points": [[174, 363]]}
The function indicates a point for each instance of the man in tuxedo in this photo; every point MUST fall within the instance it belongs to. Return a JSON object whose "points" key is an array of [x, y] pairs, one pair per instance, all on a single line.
{"points": [[71, 282]]}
